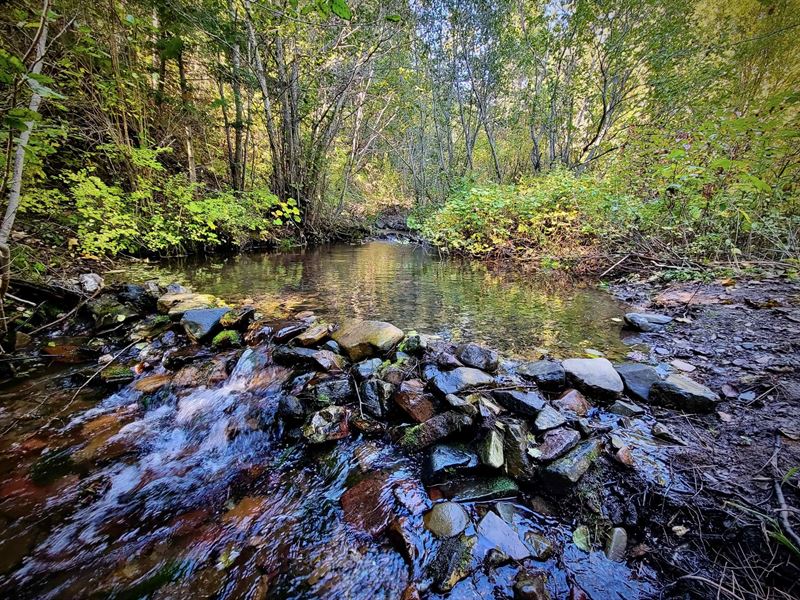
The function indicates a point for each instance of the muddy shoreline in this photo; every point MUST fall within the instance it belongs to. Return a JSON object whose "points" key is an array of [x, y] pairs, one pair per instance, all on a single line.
{"points": [[699, 511]]}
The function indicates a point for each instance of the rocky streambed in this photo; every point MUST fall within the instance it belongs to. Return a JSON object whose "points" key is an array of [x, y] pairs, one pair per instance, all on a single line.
{"points": [[212, 452]]}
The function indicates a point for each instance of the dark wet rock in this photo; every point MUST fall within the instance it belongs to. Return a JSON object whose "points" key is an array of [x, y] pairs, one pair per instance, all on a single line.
{"points": [[574, 402], [464, 405], [332, 346], [393, 374], [447, 361], [446, 519], [547, 374], [473, 355], [616, 545], [593, 376], [368, 505], [434, 429], [333, 391], [682, 393], [625, 409], [290, 408], [375, 396], [490, 449], [555, 443], [646, 321], [367, 425], [227, 338], [313, 335], [446, 458], [567, 471], [530, 586], [524, 403], [202, 323], [175, 304], [459, 380], [138, 296], [638, 380], [475, 489], [367, 368], [452, 562], [238, 318], [107, 311], [411, 398], [413, 343], [549, 418], [500, 534], [362, 339], [541, 548], [284, 332], [51, 465], [516, 442], [327, 425], [663, 432], [329, 361]]}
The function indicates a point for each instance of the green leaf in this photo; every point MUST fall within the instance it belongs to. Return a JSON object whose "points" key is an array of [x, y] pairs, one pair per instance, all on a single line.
{"points": [[341, 10], [393, 18], [43, 90]]}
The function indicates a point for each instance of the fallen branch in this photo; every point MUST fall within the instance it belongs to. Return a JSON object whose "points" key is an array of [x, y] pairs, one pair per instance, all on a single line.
{"points": [[66, 315]]}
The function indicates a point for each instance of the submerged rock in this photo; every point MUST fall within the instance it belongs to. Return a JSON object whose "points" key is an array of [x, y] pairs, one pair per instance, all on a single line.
{"points": [[593, 376], [475, 489], [541, 547], [682, 393], [327, 425], [531, 586], [638, 380], [362, 339], [567, 471], [646, 321], [290, 408], [500, 534], [202, 323], [434, 429], [453, 562], [617, 542], [459, 380], [175, 304], [473, 355], [367, 505], [446, 519], [525, 403], [547, 374]]}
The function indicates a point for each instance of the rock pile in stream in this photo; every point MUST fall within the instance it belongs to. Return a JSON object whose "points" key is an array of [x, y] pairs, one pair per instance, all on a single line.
{"points": [[482, 428]]}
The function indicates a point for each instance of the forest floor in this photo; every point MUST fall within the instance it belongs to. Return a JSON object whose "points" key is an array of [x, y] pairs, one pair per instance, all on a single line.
{"points": [[742, 339]]}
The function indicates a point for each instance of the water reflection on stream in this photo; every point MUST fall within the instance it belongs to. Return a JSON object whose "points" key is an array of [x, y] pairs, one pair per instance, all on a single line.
{"points": [[197, 491], [415, 289]]}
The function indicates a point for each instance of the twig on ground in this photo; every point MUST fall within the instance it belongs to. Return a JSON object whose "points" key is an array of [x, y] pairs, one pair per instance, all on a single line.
{"points": [[65, 316]]}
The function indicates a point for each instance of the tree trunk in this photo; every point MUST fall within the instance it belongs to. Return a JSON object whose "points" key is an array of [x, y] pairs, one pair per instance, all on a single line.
{"points": [[188, 127]]}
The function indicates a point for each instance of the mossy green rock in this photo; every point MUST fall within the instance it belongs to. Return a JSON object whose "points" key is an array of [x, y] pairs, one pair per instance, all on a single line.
{"points": [[567, 471], [227, 339]]}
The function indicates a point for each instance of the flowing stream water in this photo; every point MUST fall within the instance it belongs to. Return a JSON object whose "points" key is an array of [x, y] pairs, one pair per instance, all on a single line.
{"points": [[197, 491]]}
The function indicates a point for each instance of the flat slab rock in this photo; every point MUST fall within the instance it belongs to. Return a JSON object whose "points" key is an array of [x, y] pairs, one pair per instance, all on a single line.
{"points": [[682, 393], [500, 535], [646, 321], [363, 339], [459, 380], [567, 471], [445, 457], [202, 323], [525, 403], [547, 374], [593, 375]]}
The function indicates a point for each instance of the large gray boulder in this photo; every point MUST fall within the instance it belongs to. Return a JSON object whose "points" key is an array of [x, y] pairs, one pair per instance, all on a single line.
{"points": [[682, 393], [363, 339], [593, 376]]}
